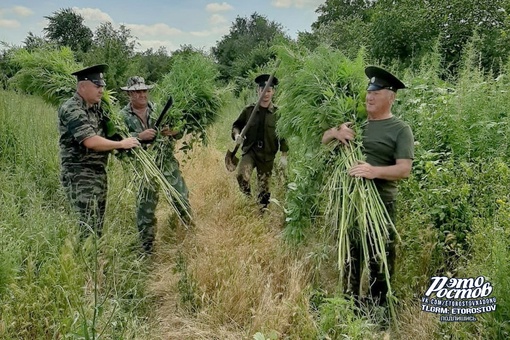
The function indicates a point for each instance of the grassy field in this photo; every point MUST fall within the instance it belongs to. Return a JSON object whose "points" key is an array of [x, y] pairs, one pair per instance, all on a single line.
{"points": [[51, 285], [235, 275]]}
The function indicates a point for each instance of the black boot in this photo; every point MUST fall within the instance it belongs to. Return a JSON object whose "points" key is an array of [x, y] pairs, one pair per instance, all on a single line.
{"points": [[264, 200]]}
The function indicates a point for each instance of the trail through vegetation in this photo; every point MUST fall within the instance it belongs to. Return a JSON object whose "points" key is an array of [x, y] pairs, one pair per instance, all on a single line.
{"points": [[232, 274]]}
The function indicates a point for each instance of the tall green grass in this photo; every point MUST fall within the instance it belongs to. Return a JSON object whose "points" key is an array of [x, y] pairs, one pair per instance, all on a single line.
{"points": [[452, 212], [51, 284]]}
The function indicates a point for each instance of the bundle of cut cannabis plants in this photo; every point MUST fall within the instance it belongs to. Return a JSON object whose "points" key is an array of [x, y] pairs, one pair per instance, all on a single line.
{"points": [[47, 73], [355, 209], [320, 90], [191, 82]]}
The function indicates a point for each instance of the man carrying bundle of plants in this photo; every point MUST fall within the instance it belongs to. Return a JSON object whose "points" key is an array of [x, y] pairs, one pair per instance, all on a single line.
{"points": [[388, 145], [84, 149], [139, 117], [260, 143]]}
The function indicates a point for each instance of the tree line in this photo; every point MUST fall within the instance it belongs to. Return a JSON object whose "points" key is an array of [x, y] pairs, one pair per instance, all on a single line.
{"points": [[393, 32]]}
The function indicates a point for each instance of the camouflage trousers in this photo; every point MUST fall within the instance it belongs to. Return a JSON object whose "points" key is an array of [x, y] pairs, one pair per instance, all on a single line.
{"points": [[147, 201], [250, 161], [86, 189]]}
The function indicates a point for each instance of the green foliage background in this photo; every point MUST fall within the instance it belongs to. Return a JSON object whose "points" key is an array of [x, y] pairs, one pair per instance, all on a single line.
{"points": [[454, 210]]}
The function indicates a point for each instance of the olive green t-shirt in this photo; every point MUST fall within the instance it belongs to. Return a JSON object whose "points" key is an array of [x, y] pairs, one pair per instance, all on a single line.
{"points": [[385, 141]]}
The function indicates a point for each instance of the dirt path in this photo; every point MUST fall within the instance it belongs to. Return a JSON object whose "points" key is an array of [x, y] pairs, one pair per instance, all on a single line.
{"points": [[228, 277]]}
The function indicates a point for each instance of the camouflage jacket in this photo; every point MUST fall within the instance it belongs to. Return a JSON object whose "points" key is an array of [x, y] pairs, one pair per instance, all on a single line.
{"points": [[261, 136], [76, 123], [134, 123]]}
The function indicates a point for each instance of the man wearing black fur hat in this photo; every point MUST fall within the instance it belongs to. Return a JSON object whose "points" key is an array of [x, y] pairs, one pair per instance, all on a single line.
{"points": [[84, 149], [260, 143], [389, 148]]}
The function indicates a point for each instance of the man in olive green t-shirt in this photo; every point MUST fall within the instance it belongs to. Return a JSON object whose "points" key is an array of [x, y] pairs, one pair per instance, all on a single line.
{"points": [[388, 144]]}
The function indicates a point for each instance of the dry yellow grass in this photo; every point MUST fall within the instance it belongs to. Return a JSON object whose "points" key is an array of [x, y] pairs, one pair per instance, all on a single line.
{"points": [[414, 324], [240, 277], [243, 276]]}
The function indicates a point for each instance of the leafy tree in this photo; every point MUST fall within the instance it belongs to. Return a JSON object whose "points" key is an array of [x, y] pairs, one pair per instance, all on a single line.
{"points": [[254, 59], [187, 50], [33, 42], [347, 34], [333, 10], [8, 67], [66, 28], [247, 45], [459, 19], [115, 47], [152, 64], [308, 40], [403, 29], [342, 24]]}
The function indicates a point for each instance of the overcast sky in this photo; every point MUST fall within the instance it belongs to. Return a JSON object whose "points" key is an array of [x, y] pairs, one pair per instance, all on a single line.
{"points": [[168, 23]]}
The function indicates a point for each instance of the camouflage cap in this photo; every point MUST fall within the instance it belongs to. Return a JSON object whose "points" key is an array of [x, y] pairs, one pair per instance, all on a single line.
{"points": [[136, 84]]}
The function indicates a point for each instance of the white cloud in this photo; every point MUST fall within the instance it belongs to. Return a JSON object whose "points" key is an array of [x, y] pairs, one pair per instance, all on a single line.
{"points": [[93, 17], [153, 30], [296, 3], [6, 23], [282, 3], [217, 7], [155, 44], [217, 31], [22, 11], [93, 14], [217, 19]]}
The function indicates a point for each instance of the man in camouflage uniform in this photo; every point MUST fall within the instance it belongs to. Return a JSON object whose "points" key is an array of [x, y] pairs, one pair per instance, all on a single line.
{"points": [[84, 149], [140, 117], [260, 143]]}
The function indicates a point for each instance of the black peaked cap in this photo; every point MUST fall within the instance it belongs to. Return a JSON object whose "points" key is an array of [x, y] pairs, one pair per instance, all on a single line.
{"points": [[263, 78], [93, 73], [382, 79]]}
